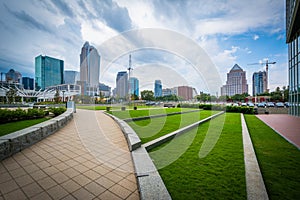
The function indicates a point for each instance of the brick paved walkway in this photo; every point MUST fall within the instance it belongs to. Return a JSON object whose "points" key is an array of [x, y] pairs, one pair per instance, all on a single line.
{"points": [[286, 125], [87, 159]]}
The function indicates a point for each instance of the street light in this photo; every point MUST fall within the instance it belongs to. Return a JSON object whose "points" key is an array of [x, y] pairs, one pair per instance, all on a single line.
{"points": [[63, 95]]}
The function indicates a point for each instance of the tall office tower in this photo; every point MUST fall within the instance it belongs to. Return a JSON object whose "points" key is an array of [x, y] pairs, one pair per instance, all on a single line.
{"points": [[134, 86], [89, 69], [185, 92], [122, 84], [259, 81], [236, 82], [157, 88], [293, 40], [71, 77], [13, 76], [28, 83], [48, 72]]}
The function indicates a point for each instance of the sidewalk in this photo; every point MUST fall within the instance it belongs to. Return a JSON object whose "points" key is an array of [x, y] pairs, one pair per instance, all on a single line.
{"points": [[286, 125], [87, 159]]}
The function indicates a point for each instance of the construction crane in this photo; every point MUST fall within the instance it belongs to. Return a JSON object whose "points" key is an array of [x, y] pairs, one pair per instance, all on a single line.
{"points": [[267, 63]]}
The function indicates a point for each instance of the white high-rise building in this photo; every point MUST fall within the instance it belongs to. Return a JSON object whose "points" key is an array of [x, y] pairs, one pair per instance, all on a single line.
{"points": [[89, 70]]}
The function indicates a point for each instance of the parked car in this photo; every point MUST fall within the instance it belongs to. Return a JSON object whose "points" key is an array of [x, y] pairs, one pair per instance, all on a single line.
{"points": [[261, 105], [287, 104], [244, 104], [279, 104], [270, 104], [250, 104]]}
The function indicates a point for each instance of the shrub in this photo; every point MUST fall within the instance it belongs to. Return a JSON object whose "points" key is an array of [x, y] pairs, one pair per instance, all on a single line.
{"points": [[19, 114], [57, 111]]}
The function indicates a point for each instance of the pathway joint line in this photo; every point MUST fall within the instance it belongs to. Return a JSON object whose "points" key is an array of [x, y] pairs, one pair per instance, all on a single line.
{"points": [[254, 181]]}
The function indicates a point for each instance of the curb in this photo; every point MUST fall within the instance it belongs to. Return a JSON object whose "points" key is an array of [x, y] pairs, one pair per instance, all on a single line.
{"points": [[17, 141], [154, 143]]}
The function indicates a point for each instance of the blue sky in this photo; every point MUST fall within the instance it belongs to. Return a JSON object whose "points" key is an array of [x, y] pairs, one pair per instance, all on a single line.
{"points": [[229, 32]]}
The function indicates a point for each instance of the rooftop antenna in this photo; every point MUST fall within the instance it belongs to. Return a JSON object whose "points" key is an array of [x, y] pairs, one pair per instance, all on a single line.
{"points": [[129, 70]]}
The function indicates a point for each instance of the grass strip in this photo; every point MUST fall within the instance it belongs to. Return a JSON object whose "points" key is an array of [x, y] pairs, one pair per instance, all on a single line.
{"points": [[219, 175], [150, 129], [147, 112], [278, 159], [19, 125], [91, 107]]}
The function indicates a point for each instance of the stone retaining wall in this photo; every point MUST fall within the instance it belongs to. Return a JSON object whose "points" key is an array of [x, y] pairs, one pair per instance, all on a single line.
{"points": [[14, 142]]}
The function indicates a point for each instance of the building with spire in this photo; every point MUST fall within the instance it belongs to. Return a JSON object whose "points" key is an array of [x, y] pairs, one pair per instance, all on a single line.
{"points": [[236, 82], [89, 70]]}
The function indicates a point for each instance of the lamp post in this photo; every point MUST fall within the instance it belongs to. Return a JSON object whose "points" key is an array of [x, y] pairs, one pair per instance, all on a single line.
{"points": [[63, 95]]}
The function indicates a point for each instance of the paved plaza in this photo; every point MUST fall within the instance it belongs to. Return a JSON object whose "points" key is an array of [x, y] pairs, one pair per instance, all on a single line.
{"points": [[286, 125], [79, 161]]}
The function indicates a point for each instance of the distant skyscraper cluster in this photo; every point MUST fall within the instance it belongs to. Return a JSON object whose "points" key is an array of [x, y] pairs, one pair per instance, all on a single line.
{"points": [[259, 81], [236, 82]]}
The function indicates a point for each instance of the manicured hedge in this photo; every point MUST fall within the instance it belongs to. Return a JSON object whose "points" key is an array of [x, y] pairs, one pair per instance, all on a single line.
{"points": [[31, 113], [20, 114], [233, 109], [57, 111]]}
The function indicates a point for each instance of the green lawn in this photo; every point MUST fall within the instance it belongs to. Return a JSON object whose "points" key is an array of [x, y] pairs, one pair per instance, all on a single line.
{"points": [[141, 113], [15, 126], [151, 129], [279, 160], [219, 175], [91, 107]]}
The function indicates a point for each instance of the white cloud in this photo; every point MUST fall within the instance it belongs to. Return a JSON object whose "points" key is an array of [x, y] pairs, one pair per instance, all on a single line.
{"points": [[255, 37]]}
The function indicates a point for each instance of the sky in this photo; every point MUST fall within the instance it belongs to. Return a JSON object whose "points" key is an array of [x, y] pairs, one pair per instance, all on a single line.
{"points": [[193, 42]]}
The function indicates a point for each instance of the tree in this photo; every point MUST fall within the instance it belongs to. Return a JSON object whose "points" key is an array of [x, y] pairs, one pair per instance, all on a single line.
{"points": [[134, 97], [147, 95], [56, 96], [11, 95]]}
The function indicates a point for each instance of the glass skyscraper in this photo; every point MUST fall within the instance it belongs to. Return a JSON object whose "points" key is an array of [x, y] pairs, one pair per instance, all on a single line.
{"points": [[71, 77], [134, 86], [28, 83], [157, 88], [293, 40], [259, 81], [48, 72]]}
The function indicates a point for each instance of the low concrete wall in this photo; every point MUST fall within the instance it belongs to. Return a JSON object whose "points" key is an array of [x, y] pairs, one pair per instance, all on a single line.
{"points": [[132, 138], [14, 142], [157, 142]]}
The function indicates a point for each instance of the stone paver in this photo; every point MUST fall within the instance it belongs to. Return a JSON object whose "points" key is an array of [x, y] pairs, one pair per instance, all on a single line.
{"points": [[87, 159], [254, 182], [286, 125]]}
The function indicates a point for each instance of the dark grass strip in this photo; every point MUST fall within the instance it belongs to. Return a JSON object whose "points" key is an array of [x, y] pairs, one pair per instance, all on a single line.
{"points": [[219, 175], [150, 129], [279, 160], [15, 126]]}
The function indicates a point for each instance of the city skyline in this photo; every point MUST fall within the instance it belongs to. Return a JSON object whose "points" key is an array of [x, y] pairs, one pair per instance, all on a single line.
{"points": [[230, 32]]}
